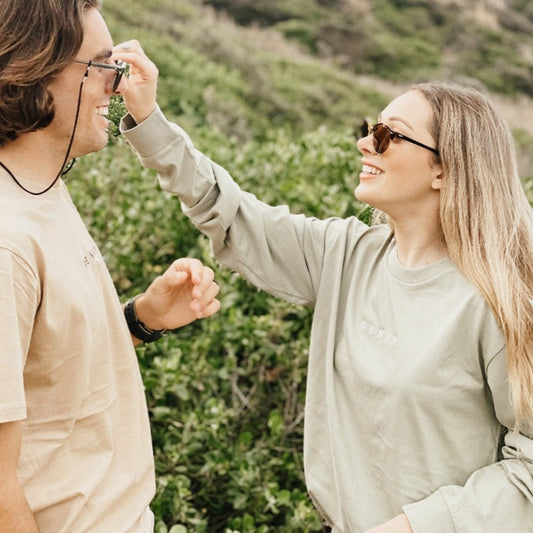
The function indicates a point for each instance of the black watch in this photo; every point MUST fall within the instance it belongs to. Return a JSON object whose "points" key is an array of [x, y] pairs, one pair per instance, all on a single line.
{"points": [[137, 328]]}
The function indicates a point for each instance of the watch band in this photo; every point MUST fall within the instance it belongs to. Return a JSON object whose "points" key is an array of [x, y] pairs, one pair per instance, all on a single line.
{"points": [[137, 328]]}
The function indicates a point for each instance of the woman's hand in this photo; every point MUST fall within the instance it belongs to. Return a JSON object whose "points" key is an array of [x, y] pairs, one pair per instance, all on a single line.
{"points": [[399, 524]]}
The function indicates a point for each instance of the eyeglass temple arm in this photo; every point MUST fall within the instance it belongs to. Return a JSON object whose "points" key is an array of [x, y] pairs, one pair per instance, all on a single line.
{"points": [[401, 136]]}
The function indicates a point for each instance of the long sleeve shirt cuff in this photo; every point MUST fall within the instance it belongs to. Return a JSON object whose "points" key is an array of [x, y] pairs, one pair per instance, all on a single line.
{"points": [[431, 514], [155, 128]]}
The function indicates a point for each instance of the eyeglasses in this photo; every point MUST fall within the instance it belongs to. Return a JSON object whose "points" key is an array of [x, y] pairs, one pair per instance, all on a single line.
{"points": [[382, 136], [120, 67]]}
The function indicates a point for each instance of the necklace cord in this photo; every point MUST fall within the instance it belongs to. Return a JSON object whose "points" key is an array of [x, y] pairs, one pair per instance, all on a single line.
{"points": [[61, 171]]}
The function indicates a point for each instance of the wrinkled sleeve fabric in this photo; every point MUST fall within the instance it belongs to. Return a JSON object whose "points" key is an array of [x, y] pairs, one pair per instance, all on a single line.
{"points": [[497, 498], [19, 296], [267, 245]]}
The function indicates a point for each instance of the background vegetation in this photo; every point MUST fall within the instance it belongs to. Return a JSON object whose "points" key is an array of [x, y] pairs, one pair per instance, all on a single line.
{"points": [[271, 90]]}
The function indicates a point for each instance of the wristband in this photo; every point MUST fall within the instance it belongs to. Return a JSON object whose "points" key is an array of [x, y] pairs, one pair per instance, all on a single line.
{"points": [[137, 328]]}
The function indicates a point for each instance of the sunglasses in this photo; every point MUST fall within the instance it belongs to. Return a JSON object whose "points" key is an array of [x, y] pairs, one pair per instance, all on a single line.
{"points": [[120, 68], [382, 136]]}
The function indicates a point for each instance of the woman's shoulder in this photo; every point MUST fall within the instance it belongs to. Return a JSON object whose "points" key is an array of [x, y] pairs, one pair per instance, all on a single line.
{"points": [[352, 232]]}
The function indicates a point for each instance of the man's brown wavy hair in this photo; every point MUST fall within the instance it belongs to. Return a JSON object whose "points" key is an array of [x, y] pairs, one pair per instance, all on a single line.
{"points": [[38, 39]]}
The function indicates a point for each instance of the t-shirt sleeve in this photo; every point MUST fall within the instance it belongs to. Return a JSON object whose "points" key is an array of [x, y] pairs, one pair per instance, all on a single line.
{"points": [[19, 296]]}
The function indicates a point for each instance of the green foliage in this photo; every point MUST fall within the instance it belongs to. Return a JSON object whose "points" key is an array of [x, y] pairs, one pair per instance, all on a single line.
{"points": [[395, 56], [226, 402], [493, 60], [267, 13], [401, 40], [315, 174]]}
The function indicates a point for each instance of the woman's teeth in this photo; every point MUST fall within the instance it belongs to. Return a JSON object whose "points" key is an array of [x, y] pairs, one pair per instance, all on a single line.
{"points": [[371, 170]]}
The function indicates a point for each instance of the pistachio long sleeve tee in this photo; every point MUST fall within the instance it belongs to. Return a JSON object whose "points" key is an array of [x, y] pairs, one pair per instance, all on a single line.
{"points": [[407, 404]]}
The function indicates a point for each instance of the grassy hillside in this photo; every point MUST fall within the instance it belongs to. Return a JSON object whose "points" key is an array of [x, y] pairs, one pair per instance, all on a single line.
{"points": [[407, 39], [272, 91]]}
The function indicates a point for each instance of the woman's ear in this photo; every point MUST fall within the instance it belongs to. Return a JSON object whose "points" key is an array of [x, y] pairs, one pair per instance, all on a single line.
{"points": [[437, 175]]}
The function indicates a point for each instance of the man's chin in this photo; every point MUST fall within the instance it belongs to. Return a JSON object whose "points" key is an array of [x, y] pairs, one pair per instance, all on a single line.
{"points": [[95, 146]]}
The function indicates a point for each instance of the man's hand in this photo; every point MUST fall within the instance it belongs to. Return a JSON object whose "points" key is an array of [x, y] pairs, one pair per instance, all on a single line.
{"points": [[399, 524], [139, 89], [185, 292]]}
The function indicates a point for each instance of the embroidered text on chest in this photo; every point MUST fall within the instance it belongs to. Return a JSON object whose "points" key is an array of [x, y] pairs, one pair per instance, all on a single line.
{"points": [[380, 334]]}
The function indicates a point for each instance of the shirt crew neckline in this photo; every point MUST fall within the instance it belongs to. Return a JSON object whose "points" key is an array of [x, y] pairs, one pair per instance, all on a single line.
{"points": [[415, 276], [55, 193]]}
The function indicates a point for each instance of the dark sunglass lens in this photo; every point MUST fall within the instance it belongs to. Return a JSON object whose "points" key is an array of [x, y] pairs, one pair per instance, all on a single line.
{"points": [[381, 138], [120, 68], [365, 129], [116, 81]]}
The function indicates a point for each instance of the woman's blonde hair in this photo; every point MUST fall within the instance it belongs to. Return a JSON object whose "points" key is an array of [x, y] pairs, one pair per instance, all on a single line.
{"points": [[486, 220]]}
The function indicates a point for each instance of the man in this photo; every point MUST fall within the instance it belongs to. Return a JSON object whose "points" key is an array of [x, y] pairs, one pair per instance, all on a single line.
{"points": [[74, 433]]}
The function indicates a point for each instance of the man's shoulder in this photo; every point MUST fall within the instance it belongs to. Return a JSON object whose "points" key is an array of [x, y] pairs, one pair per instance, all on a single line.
{"points": [[21, 231]]}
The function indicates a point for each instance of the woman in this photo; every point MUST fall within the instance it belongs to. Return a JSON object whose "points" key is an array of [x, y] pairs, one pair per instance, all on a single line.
{"points": [[419, 398]]}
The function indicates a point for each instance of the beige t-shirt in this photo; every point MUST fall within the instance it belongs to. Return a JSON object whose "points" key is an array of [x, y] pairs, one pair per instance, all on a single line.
{"points": [[69, 371]]}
